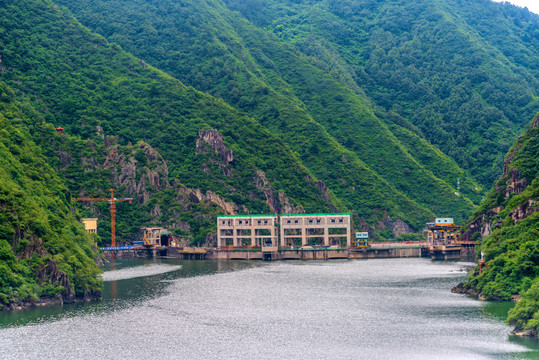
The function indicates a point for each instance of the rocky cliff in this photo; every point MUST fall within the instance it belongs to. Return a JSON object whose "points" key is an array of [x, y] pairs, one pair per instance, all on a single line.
{"points": [[507, 229]]}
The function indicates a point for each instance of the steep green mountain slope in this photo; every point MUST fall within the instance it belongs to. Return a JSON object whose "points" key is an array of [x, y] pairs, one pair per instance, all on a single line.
{"points": [[198, 156], [509, 221], [44, 251], [464, 72], [321, 118], [95, 90]]}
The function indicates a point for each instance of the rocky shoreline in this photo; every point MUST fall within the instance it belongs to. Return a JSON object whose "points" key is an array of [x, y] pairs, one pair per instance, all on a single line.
{"points": [[462, 289], [58, 299]]}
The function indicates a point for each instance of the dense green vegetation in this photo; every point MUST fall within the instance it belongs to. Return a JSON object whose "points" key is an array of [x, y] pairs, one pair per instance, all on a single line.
{"points": [[213, 49], [261, 106], [41, 241], [310, 111], [464, 72], [95, 90], [511, 251]]}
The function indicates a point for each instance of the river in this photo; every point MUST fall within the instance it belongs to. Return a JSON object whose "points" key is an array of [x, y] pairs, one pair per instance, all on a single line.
{"points": [[349, 309]]}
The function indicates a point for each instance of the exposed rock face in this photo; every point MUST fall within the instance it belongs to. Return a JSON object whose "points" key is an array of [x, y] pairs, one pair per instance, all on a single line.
{"points": [[211, 240], [50, 272], [65, 158], [281, 204], [323, 189], [524, 210], [398, 226], [535, 122], [228, 207], [509, 183], [263, 184], [482, 225], [99, 131], [287, 207], [124, 171], [110, 141], [215, 140], [515, 185]]}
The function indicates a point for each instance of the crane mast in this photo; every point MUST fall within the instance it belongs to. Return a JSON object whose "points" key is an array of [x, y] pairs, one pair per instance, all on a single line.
{"points": [[112, 201]]}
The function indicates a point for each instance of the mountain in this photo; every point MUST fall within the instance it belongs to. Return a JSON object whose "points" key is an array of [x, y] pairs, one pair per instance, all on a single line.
{"points": [[213, 110], [390, 110], [217, 51], [508, 225], [465, 73], [226, 159], [44, 251]]}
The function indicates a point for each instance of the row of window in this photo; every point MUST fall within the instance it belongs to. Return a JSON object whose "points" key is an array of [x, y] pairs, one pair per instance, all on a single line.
{"points": [[311, 221], [288, 221], [244, 222]]}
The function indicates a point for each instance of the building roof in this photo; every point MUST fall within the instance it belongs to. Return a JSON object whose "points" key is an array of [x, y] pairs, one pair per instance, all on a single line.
{"points": [[253, 215], [329, 214]]}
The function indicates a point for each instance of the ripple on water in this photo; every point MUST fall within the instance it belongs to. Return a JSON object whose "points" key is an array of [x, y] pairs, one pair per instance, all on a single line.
{"points": [[387, 309], [139, 271]]}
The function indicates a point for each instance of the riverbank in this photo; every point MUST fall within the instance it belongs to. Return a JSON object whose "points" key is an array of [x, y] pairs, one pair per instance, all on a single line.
{"points": [[462, 288], [58, 299]]}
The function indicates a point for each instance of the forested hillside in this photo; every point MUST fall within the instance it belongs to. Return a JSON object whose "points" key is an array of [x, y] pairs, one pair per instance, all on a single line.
{"points": [[95, 90], [224, 159], [508, 222], [213, 49], [465, 73], [44, 251], [301, 116]]}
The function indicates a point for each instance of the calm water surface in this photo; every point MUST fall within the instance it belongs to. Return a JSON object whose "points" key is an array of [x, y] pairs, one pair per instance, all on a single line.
{"points": [[358, 309]]}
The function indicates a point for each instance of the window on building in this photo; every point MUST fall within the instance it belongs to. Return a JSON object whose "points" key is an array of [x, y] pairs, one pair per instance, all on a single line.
{"points": [[295, 221], [265, 221], [310, 221], [288, 221], [318, 221], [341, 220], [332, 220]]}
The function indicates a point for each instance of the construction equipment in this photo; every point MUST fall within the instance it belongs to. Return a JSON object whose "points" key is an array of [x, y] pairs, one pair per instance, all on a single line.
{"points": [[112, 201]]}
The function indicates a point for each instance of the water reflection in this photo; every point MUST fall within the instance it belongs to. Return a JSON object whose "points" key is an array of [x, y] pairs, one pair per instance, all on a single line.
{"points": [[376, 309], [121, 294]]}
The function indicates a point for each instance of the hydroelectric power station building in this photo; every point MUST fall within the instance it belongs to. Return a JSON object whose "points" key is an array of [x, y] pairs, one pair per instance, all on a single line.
{"points": [[287, 230]]}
